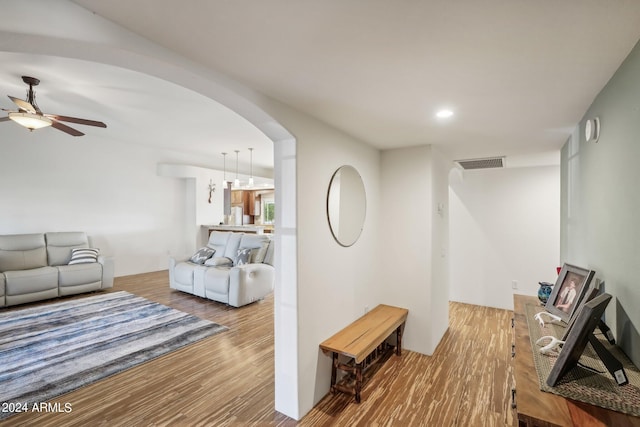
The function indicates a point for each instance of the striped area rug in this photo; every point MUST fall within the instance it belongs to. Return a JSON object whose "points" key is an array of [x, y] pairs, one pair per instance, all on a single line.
{"points": [[49, 350]]}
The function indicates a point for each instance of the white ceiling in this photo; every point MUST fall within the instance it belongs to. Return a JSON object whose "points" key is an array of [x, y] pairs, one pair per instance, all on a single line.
{"points": [[137, 108], [518, 74]]}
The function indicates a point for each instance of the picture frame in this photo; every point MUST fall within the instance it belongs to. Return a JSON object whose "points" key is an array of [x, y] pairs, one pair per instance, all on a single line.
{"points": [[589, 295], [586, 321], [569, 290]]}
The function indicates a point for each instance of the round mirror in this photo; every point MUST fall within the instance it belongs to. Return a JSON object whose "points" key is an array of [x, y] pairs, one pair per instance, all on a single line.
{"points": [[346, 205]]}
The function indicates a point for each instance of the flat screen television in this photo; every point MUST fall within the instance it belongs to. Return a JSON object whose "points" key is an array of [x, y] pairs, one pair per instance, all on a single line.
{"points": [[570, 288]]}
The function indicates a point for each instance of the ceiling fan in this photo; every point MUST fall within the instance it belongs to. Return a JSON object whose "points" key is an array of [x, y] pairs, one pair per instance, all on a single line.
{"points": [[30, 116]]}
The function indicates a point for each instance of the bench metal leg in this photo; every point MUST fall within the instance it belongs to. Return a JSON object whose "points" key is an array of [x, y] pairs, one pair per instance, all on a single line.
{"points": [[358, 387], [399, 340], [334, 368]]}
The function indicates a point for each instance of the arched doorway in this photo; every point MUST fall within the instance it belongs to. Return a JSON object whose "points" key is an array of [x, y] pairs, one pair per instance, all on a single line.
{"points": [[164, 65]]}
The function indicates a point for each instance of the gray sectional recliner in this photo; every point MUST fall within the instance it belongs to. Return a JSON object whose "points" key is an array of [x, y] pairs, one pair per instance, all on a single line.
{"points": [[224, 277], [35, 267]]}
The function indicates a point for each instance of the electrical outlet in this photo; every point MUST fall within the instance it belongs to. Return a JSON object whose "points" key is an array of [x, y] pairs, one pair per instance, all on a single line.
{"points": [[514, 284]]}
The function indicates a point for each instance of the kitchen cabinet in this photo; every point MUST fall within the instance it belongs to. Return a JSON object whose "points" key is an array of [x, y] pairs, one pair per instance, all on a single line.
{"points": [[237, 197]]}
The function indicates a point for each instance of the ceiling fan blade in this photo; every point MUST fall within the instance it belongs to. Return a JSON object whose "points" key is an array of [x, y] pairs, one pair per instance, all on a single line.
{"points": [[23, 105], [76, 120], [65, 128], [4, 119]]}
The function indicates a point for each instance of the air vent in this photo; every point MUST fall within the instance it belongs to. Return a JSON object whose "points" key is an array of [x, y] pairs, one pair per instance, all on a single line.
{"points": [[487, 163]]}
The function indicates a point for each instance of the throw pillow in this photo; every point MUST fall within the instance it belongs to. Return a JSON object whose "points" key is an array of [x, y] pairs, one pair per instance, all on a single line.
{"points": [[220, 261], [83, 255], [244, 254], [258, 255], [202, 255]]}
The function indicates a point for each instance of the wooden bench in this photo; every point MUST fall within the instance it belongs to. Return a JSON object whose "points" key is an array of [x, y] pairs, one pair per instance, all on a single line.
{"points": [[363, 341]]}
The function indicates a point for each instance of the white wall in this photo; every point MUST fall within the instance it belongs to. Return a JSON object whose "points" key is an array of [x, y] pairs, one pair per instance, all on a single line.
{"points": [[504, 226], [199, 212], [52, 182], [334, 283], [413, 270], [440, 253]]}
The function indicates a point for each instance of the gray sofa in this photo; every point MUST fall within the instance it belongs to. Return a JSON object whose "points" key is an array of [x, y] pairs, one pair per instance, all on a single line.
{"points": [[35, 267], [224, 276]]}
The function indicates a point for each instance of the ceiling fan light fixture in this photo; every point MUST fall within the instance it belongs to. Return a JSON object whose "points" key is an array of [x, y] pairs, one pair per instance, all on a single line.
{"points": [[29, 120], [30, 116]]}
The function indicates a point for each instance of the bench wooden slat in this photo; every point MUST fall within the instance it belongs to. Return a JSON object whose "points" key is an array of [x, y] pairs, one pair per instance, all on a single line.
{"points": [[363, 335]]}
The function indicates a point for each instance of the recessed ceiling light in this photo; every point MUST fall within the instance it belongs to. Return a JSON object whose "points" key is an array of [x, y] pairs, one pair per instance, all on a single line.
{"points": [[444, 114]]}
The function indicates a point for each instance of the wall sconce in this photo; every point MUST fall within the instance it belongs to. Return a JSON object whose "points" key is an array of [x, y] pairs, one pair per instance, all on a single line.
{"points": [[212, 189], [592, 130]]}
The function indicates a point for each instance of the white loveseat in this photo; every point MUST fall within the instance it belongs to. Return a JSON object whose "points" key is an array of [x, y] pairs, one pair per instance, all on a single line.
{"points": [[40, 266], [227, 276]]}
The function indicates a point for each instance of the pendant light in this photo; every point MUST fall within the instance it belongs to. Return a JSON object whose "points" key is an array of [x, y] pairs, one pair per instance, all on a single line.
{"points": [[224, 179], [251, 176], [236, 183]]}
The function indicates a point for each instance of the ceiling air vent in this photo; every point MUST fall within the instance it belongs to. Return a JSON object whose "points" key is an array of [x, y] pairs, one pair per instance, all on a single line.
{"points": [[487, 163]]}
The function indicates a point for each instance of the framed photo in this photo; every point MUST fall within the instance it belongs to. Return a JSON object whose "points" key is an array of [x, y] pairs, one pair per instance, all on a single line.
{"points": [[589, 295], [586, 321], [570, 288]]}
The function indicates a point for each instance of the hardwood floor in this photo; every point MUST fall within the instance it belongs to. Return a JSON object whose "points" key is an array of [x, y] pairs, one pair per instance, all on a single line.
{"points": [[467, 381], [227, 379]]}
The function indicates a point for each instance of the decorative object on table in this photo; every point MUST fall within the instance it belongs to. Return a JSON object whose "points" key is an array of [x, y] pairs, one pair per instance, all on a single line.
{"points": [[544, 291], [86, 340], [582, 383], [580, 334], [553, 347], [552, 318], [591, 294], [570, 288]]}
